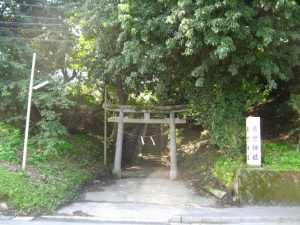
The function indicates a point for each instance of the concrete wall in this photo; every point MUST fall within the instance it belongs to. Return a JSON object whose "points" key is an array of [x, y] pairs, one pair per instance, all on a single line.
{"points": [[267, 187]]}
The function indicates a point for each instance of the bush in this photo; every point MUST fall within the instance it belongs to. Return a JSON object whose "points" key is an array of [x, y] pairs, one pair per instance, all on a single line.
{"points": [[10, 143]]}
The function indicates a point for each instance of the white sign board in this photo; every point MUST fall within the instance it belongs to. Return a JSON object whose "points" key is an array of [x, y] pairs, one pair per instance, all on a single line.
{"points": [[253, 141]]}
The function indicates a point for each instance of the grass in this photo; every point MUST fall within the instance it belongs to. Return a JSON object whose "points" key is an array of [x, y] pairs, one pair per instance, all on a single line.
{"points": [[281, 156], [30, 197], [276, 156], [52, 178]]}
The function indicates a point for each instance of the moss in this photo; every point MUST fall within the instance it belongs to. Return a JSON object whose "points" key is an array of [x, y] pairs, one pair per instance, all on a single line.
{"points": [[265, 186]]}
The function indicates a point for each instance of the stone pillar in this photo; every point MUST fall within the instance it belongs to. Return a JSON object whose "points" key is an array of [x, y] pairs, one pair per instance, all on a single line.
{"points": [[162, 136], [118, 154], [173, 157]]}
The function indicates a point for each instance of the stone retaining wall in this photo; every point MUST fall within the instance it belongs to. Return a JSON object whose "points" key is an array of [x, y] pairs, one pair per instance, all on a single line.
{"points": [[267, 187]]}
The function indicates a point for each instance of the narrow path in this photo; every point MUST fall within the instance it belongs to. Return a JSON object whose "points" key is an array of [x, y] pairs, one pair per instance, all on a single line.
{"points": [[144, 194]]}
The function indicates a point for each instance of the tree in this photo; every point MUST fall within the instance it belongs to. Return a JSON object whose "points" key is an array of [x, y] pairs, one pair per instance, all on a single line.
{"points": [[26, 28], [222, 57], [104, 61]]}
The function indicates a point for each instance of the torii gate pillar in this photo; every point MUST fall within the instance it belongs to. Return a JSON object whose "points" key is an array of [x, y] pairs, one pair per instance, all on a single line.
{"points": [[173, 156], [117, 171]]}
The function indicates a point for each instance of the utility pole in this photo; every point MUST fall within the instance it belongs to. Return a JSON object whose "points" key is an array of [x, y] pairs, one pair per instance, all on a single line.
{"points": [[31, 88], [28, 112], [105, 127]]}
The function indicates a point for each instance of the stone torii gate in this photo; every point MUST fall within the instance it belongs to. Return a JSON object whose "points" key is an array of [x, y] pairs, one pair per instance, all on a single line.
{"points": [[121, 119]]}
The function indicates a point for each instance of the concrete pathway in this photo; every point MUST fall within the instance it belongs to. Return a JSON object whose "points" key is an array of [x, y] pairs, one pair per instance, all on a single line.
{"points": [[144, 194]]}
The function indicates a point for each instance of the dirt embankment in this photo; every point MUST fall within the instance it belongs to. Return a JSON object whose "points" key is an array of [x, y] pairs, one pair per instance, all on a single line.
{"points": [[196, 160]]}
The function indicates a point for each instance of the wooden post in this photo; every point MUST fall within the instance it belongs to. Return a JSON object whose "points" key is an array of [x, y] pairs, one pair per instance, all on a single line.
{"points": [[173, 157], [162, 136], [118, 154], [147, 117]]}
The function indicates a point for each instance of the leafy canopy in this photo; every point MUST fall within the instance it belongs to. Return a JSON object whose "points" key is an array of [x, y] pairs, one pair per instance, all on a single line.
{"points": [[222, 57]]}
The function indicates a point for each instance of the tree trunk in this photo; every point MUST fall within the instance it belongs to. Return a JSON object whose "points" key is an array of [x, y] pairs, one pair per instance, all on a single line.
{"points": [[123, 97], [121, 92]]}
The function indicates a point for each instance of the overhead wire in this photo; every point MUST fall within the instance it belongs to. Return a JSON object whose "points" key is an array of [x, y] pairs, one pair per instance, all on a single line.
{"points": [[24, 24], [38, 39], [42, 6], [30, 24], [44, 24], [36, 17], [63, 6], [28, 29]]}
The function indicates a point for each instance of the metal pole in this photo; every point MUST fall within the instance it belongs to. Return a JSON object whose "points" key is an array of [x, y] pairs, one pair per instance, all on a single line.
{"points": [[28, 112], [105, 129]]}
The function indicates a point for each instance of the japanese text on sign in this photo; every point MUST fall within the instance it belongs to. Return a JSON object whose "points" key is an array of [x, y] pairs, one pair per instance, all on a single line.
{"points": [[253, 141]]}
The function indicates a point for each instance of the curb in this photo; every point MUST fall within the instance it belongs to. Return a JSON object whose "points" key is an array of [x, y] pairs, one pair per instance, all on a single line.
{"points": [[92, 219], [232, 219], [17, 218], [174, 220], [5, 217]]}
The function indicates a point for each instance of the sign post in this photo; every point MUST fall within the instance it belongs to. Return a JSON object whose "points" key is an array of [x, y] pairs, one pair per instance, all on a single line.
{"points": [[253, 141]]}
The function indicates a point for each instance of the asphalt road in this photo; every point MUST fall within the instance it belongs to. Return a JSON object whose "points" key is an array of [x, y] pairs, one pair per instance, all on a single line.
{"points": [[17, 222]]}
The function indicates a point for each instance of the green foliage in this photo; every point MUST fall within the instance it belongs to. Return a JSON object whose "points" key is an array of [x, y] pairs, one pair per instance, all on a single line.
{"points": [[10, 143], [179, 136], [54, 177], [50, 136], [281, 156], [225, 170], [59, 187], [295, 102], [222, 111], [75, 145], [16, 46], [277, 156], [222, 57]]}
